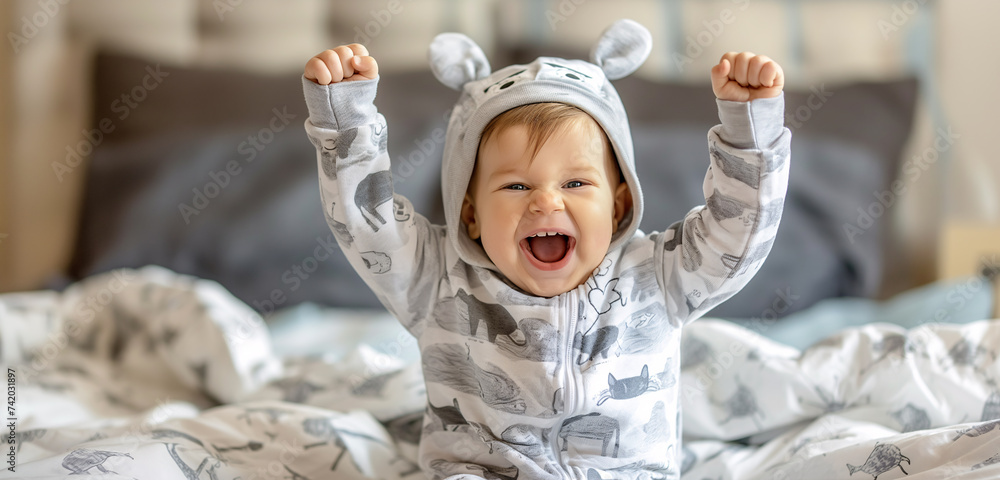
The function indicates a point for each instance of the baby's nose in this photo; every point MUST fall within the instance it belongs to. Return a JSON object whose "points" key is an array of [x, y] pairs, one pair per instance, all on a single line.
{"points": [[545, 201]]}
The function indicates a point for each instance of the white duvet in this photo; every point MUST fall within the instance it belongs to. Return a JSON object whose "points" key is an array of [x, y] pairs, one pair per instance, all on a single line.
{"points": [[147, 374]]}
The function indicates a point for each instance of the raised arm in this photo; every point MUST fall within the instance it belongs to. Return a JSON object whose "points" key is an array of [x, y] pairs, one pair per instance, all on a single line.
{"points": [[394, 249], [718, 247]]}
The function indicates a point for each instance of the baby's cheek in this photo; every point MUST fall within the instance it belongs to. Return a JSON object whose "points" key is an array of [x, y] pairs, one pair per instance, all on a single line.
{"points": [[497, 242], [599, 231]]}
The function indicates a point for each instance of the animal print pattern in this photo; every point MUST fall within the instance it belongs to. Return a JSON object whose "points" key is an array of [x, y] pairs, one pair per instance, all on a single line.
{"points": [[498, 320], [372, 192], [884, 457], [735, 167]]}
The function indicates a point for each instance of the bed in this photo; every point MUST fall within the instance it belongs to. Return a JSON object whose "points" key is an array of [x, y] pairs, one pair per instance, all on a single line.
{"points": [[206, 327], [151, 374]]}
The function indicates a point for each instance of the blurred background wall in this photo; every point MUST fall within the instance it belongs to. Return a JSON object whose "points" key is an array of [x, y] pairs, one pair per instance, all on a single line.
{"points": [[45, 66]]}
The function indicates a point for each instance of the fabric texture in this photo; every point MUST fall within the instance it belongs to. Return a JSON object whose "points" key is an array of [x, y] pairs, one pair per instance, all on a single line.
{"points": [[531, 387], [132, 383]]}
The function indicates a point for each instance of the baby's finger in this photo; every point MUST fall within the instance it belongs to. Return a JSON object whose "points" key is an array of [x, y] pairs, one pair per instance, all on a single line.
{"points": [[346, 56], [731, 57], [366, 67], [774, 75], [317, 71], [767, 74], [358, 49], [720, 74], [333, 64], [741, 68], [754, 70]]}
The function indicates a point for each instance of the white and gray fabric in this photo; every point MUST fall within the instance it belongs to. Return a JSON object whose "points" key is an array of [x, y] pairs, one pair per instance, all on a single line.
{"points": [[579, 385], [125, 375]]}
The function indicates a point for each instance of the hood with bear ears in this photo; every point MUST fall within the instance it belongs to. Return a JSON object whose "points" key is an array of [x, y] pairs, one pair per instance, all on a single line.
{"points": [[460, 64]]}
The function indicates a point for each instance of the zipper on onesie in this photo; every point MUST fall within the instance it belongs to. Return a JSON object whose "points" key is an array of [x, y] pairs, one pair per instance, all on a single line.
{"points": [[567, 304]]}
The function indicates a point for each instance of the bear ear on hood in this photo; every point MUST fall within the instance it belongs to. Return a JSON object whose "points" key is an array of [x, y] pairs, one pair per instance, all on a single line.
{"points": [[623, 47], [456, 60]]}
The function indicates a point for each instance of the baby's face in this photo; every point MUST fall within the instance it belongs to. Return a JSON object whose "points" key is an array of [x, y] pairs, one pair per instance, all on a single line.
{"points": [[546, 222]]}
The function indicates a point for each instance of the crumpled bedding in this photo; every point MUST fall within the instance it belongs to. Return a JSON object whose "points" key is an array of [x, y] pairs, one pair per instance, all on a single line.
{"points": [[148, 374]]}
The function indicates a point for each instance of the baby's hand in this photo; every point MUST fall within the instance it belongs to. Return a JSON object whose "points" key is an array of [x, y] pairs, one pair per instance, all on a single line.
{"points": [[742, 77], [344, 63]]}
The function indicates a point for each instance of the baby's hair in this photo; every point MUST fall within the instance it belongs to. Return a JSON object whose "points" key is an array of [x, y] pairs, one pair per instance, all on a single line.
{"points": [[542, 120]]}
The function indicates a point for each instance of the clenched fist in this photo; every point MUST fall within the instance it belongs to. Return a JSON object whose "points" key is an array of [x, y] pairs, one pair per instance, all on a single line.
{"points": [[741, 77], [342, 64]]}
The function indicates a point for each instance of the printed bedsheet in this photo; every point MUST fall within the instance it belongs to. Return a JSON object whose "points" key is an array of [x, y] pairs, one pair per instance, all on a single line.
{"points": [[147, 374]]}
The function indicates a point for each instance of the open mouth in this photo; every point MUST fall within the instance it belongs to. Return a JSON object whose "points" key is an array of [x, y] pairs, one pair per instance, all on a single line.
{"points": [[548, 250]]}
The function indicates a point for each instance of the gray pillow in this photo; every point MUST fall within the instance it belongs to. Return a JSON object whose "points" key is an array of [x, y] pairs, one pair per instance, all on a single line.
{"points": [[847, 141], [255, 232], [261, 231], [268, 222], [811, 258]]}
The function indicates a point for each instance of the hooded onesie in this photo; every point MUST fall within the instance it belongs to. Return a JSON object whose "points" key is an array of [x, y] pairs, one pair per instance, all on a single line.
{"points": [[585, 384]]}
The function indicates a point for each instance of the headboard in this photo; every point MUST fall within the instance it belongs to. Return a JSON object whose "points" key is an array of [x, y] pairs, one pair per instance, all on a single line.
{"points": [[47, 77]]}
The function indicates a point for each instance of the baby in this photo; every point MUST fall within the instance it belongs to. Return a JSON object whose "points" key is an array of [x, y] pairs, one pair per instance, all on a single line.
{"points": [[548, 324]]}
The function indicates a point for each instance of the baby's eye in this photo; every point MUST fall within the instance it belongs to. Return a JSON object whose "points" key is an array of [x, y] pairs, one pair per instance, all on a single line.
{"points": [[574, 184], [515, 186]]}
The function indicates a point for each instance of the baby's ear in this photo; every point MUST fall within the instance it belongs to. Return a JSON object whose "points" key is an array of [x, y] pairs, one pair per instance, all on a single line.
{"points": [[456, 60], [623, 203], [469, 217], [623, 47]]}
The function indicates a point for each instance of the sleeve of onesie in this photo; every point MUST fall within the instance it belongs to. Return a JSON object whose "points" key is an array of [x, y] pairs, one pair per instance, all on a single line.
{"points": [[718, 247], [395, 250]]}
